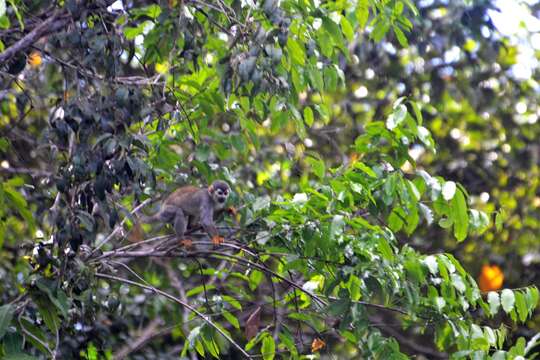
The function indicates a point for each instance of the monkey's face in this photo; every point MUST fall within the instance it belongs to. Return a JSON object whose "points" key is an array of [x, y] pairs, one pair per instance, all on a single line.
{"points": [[220, 192]]}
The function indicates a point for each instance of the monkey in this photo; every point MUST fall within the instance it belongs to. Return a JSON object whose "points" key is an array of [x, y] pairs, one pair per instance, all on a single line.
{"points": [[190, 205]]}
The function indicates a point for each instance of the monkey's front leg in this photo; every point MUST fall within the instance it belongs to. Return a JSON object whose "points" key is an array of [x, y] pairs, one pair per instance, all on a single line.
{"points": [[180, 226], [208, 224]]}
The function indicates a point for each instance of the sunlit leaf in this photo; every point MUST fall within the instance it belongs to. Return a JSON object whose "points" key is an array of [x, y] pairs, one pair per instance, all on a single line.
{"points": [[507, 300]]}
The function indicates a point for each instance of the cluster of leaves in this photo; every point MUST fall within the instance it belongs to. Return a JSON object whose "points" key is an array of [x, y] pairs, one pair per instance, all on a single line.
{"points": [[234, 90], [482, 113]]}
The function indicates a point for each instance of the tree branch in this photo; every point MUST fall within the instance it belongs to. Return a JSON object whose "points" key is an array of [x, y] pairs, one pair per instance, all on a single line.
{"points": [[57, 21], [184, 304]]}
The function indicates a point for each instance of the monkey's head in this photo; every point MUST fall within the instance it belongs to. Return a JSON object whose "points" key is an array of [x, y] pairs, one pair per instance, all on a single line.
{"points": [[219, 190]]}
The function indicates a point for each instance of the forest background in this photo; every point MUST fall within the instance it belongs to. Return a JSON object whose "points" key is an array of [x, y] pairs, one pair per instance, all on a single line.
{"points": [[383, 157]]}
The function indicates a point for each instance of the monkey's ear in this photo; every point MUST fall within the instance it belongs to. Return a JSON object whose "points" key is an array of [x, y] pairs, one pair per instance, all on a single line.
{"points": [[211, 189]]}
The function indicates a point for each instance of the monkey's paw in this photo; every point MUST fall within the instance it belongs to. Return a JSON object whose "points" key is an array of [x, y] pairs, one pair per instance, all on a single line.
{"points": [[187, 243], [217, 240]]}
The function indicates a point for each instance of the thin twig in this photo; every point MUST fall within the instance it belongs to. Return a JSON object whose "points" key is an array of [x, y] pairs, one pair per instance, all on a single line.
{"points": [[38, 340], [184, 304]]}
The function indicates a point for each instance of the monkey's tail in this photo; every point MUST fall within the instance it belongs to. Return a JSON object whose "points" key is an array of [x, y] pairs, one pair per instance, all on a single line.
{"points": [[145, 219], [137, 233]]}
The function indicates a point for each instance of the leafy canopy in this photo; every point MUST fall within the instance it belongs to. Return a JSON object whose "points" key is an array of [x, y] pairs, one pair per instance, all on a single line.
{"points": [[132, 102]]}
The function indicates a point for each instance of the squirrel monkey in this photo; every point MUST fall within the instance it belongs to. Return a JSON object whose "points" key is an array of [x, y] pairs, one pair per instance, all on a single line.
{"points": [[191, 205]]}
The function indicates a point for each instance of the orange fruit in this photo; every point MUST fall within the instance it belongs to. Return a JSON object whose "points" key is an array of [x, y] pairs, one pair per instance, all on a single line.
{"points": [[34, 59], [491, 278]]}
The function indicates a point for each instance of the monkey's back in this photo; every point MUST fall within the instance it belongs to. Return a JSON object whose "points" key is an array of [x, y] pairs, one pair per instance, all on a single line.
{"points": [[188, 198]]}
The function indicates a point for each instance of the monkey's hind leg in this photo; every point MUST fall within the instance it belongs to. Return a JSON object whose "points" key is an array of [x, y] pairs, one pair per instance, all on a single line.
{"points": [[180, 226]]}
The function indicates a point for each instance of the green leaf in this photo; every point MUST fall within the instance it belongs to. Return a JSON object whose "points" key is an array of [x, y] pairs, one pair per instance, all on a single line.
{"points": [[364, 168], [199, 347], [317, 166], [385, 249], [396, 117], [199, 289], [381, 28], [268, 348], [2, 7], [153, 11], [412, 7], [347, 28], [499, 219], [330, 75], [255, 340], [255, 279], [449, 190], [36, 332], [316, 78], [395, 220], [296, 51], [362, 12], [417, 112], [425, 137], [13, 343], [209, 342], [47, 311], [287, 340], [325, 43], [132, 32], [6, 314], [261, 203], [531, 296], [4, 22], [61, 302], [446, 223], [231, 319], [333, 29], [308, 116], [507, 300], [4, 144], [458, 283], [521, 306], [398, 8], [339, 307], [299, 126], [354, 286], [193, 335], [91, 352], [14, 182], [20, 204], [494, 302], [427, 213], [431, 262], [402, 39], [17, 13], [460, 215]]}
